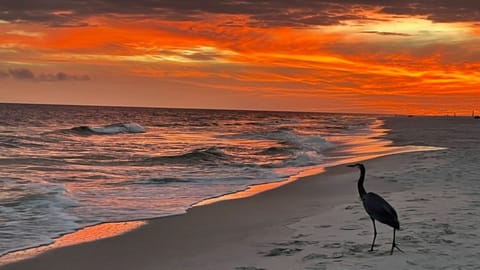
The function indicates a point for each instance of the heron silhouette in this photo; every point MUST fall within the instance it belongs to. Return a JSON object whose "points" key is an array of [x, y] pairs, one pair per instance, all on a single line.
{"points": [[377, 208]]}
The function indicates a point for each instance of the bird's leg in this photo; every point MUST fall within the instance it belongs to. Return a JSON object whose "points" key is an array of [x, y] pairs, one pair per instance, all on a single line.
{"points": [[394, 245], [374, 234]]}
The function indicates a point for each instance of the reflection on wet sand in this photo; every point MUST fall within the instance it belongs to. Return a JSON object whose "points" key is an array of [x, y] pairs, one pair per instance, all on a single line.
{"points": [[84, 235]]}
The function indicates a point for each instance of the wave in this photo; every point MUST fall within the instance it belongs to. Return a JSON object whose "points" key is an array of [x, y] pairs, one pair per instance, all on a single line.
{"points": [[109, 129], [32, 161], [303, 158], [294, 150], [276, 122], [161, 180], [287, 137], [275, 150], [152, 181], [8, 145], [211, 154], [49, 218], [9, 141]]}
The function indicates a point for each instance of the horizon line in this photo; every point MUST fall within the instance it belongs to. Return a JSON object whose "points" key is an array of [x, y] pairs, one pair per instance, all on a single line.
{"points": [[188, 108]]}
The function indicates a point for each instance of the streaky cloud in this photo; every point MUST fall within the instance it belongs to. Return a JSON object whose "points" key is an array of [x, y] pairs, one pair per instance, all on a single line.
{"points": [[386, 33], [27, 74], [61, 76]]}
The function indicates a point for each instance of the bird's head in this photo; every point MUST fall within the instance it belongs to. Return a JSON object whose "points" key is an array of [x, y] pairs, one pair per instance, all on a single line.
{"points": [[358, 165]]}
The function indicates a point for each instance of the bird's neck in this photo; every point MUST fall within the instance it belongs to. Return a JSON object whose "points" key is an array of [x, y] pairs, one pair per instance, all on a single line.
{"points": [[361, 189]]}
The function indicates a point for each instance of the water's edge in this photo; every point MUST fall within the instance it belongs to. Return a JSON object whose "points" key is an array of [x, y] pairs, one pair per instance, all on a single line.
{"points": [[111, 229]]}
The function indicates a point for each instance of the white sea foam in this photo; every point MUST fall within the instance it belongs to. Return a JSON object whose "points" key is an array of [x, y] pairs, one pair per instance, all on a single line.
{"points": [[119, 128], [112, 129]]}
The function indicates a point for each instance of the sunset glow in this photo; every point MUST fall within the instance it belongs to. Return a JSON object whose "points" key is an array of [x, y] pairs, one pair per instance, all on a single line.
{"points": [[409, 58]]}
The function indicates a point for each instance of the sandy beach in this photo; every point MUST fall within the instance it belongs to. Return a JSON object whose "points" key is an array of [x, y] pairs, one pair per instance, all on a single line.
{"points": [[318, 221]]}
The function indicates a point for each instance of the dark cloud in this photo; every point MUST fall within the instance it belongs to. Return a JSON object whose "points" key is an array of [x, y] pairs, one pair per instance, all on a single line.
{"points": [[60, 76], [264, 13], [202, 56], [21, 74], [386, 33], [27, 74]]}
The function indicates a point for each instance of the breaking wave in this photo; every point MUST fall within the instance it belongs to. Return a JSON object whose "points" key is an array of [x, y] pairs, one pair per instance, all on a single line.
{"points": [[109, 129], [211, 154]]}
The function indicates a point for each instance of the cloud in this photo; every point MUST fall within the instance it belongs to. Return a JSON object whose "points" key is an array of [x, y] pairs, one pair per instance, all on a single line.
{"points": [[385, 33], [27, 74], [21, 74], [200, 54], [266, 13], [24, 33], [60, 76]]}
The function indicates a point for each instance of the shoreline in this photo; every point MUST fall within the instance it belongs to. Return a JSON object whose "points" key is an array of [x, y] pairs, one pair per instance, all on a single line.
{"points": [[60, 258], [318, 220], [96, 232], [115, 229]]}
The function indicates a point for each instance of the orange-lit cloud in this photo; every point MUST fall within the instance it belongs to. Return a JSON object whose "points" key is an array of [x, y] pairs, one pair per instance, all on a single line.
{"points": [[395, 57]]}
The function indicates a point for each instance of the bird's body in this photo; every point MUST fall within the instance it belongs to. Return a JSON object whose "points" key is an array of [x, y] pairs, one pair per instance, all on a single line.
{"points": [[380, 210], [377, 208]]}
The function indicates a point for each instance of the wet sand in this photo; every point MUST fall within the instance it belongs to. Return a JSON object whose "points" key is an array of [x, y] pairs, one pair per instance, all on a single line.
{"points": [[318, 222]]}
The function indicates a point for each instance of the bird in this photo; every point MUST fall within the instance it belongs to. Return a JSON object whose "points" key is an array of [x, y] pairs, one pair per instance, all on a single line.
{"points": [[377, 208]]}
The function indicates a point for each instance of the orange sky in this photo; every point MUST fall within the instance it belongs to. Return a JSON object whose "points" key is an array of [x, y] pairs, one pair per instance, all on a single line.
{"points": [[329, 57]]}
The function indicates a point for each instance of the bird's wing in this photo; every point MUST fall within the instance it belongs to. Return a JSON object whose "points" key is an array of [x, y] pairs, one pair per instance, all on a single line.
{"points": [[380, 209]]}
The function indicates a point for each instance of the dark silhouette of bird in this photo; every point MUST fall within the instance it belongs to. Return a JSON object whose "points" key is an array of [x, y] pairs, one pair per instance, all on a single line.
{"points": [[377, 208]]}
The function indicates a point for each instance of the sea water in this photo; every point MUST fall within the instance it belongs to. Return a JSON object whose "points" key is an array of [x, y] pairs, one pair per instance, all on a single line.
{"points": [[66, 167]]}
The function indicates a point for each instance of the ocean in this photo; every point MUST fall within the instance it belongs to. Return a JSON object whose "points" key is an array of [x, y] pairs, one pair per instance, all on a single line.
{"points": [[63, 168]]}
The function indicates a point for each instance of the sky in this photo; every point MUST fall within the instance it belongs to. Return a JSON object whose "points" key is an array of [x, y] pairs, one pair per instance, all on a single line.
{"points": [[362, 56]]}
